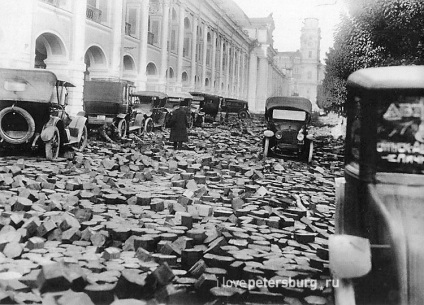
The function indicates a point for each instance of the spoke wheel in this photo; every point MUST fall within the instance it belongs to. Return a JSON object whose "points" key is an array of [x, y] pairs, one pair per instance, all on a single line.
{"points": [[52, 147], [83, 141], [243, 115], [122, 128], [190, 122], [148, 125]]}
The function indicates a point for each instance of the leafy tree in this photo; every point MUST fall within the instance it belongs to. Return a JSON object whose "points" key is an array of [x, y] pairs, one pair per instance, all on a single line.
{"points": [[373, 33]]}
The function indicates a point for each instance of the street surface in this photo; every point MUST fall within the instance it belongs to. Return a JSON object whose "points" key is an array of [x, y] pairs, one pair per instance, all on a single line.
{"points": [[138, 220]]}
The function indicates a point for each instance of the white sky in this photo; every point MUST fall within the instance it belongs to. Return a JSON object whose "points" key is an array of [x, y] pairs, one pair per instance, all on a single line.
{"points": [[288, 16]]}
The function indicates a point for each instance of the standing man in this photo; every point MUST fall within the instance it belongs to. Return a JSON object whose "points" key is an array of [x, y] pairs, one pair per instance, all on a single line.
{"points": [[178, 124]]}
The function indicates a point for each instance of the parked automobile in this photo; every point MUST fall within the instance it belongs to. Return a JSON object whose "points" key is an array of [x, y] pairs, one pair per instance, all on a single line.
{"points": [[194, 115], [239, 107], [151, 105], [111, 102], [210, 105], [32, 113], [377, 253], [288, 119]]}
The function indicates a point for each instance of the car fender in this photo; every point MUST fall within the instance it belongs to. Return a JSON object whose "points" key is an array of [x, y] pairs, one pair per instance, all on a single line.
{"points": [[78, 124], [47, 133], [139, 118], [121, 116]]}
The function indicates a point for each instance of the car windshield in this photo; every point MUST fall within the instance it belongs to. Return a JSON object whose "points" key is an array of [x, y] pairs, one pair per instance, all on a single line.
{"points": [[292, 115]]}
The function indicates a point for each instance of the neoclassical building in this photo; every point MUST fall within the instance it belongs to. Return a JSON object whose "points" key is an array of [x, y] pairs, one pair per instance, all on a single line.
{"points": [[164, 45], [303, 68]]}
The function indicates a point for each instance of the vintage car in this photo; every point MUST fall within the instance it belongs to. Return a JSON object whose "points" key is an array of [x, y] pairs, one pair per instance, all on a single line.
{"points": [[151, 105], [194, 115], [239, 107], [111, 102], [32, 113], [377, 253], [288, 119], [210, 106]]}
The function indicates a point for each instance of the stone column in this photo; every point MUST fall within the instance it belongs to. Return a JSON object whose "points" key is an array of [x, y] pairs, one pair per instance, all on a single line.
{"points": [[233, 74], [239, 83], [142, 51], [164, 46], [180, 46], [117, 34], [262, 83], [213, 60], [76, 66], [227, 72], [253, 70], [221, 68], [17, 46], [205, 47], [243, 76], [193, 54]]}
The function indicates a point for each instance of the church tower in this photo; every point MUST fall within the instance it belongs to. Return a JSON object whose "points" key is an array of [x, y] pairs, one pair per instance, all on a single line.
{"points": [[310, 60]]}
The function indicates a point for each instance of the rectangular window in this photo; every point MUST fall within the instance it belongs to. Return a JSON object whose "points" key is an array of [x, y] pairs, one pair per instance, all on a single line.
{"points": [[131, 26], [186, 49], [173, 39], [155, 30]]}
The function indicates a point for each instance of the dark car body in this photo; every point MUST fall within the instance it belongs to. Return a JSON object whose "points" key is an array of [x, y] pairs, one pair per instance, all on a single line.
{"points": [[194, 113], [32, 112], [210, 105], [240, 107], [379, 207], [151, 105], [111, 102], [288, 119]]}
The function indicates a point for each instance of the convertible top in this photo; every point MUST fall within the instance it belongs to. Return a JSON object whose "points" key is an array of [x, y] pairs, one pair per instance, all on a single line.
{"points": [[27, 85], [159, 95], [182, 95], [294, 102], [400, 77]]}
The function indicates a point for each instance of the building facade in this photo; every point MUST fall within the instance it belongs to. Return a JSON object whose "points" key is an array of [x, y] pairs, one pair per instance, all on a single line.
{"points": [[164, 45], [303, 67]]}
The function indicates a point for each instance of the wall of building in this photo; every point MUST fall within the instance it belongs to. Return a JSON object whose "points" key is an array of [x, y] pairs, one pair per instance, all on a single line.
{"points": [[183, 45]]}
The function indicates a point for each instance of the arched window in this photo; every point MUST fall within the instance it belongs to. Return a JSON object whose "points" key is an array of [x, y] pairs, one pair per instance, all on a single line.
{"points": [[184, 77], [170, 73], [128, 63], [151, 69]]}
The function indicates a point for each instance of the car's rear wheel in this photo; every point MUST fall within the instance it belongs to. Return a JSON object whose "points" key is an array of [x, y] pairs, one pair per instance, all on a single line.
{"points": [[148, 125], [83, 141], [16, 125], [122, 128], [243, 115], [52, 146]]}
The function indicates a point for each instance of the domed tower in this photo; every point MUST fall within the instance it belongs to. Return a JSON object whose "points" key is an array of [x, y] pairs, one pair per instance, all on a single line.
{"points": [[310, 59]]}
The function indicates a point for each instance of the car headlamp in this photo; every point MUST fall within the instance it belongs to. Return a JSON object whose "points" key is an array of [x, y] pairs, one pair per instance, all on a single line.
{"points": [[268, 133], [300, 136], [278, 135]]}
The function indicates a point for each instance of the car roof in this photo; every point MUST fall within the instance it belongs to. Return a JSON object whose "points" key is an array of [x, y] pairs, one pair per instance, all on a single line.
{"points": [[234, 99], [157, 94], [394, 77], [295, 102], [34, 85]]}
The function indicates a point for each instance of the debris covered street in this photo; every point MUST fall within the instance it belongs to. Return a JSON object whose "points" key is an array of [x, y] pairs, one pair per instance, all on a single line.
{"points": [[213, 223]]}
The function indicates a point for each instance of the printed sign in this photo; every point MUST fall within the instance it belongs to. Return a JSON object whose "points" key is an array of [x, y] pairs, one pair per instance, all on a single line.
{"points": [[400, 143]]}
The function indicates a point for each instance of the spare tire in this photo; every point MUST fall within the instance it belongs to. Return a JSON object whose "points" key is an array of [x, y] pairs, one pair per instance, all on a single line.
{"points": [[16, 130]]}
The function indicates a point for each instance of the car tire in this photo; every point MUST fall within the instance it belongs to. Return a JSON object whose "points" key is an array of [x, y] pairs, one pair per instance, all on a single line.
{"points": [[83, 141], [28, 118], [243, 115], [122, 128], [190, 122], [52, 146], [310, 152], [266, 147], [148, 125]]}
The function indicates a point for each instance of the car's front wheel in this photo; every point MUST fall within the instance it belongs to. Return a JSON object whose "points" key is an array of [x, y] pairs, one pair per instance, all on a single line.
{"points": [[148, 125], [122, 128], [83, 141], [243, 114], [266, 147], [52, 146], [310, 151], [190, 122]]}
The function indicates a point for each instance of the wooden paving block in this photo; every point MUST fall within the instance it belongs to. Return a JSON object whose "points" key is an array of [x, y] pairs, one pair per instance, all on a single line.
{"points": [[162, 275], [190, 256], [35, 243], [101, 293], [51, 279], [131, 284], [111, 253], [206, 281]]}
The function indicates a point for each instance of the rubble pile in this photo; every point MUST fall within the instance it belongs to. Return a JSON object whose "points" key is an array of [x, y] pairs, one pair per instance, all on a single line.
{"points": [[140, 223]]}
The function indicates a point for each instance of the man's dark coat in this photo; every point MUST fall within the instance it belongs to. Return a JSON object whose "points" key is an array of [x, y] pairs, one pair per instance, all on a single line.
{"points": [[178, 123]]}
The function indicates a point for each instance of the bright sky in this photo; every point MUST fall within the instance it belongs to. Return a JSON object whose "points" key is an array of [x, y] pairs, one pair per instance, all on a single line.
{"points": [[288, 16]]}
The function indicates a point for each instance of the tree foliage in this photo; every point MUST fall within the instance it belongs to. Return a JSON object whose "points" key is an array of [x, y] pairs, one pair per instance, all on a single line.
{"points": [[373, 33]]}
